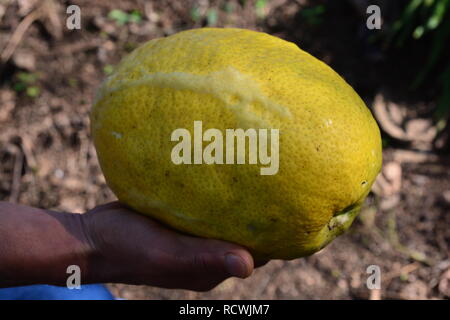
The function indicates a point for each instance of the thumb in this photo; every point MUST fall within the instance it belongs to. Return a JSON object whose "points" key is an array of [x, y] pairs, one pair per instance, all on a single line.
{"points": [[208, 262]]}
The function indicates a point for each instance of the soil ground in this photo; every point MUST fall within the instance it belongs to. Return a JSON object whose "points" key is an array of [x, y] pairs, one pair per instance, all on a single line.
{"points": [[48, 77]]}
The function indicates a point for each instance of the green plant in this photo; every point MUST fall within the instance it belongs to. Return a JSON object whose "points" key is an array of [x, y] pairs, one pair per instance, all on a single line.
{"points": [[108, 69], [427, 19], [196, 14], [26, 82], [211, 17], [121, 17], [314, 15], [260, 7]]}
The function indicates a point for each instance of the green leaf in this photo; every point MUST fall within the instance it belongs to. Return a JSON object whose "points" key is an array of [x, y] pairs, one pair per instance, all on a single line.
{"points": [[135, 16], [27, 77], [19, 86], [439, 39], [260, 7], [402, 27], [195, 14], [260, 4], [33, 92], [313, 11], [314, 15], [119, 16], [439, 11], [211, 17], [418, 32], [108, 69]]}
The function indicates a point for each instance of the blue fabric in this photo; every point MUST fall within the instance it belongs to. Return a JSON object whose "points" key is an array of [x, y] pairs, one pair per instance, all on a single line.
{"points": [[46, 292]]}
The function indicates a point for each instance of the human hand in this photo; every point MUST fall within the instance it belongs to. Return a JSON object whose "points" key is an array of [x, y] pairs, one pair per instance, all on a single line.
{"points": [[131, 248]]}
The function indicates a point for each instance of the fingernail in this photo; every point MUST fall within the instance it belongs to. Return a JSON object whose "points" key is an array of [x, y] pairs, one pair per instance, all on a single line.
{"points": [[235, 265]]}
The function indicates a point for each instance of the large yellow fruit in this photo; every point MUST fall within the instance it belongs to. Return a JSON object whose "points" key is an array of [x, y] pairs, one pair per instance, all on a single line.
{"points": [[329, 143]]}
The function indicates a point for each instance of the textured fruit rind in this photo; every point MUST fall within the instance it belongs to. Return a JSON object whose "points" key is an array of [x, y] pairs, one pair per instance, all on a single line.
{"points": [[330, 146]]}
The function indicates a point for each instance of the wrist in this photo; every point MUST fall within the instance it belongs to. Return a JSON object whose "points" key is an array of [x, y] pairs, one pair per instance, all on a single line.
{"points": [[99, 266], [37, 246], [73, 249]]}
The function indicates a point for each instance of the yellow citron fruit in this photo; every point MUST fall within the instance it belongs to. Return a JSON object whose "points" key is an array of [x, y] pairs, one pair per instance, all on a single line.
{"points": [[329, 143]]}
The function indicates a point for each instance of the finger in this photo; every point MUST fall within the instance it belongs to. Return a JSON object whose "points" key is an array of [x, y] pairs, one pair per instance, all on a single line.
{"points": [[200, 264], [204, 271], [239, 263], [234, 259]]}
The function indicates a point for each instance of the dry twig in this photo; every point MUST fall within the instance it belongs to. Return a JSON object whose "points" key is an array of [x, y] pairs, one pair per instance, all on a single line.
{"points": [[17, 176], [18, 34]]}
